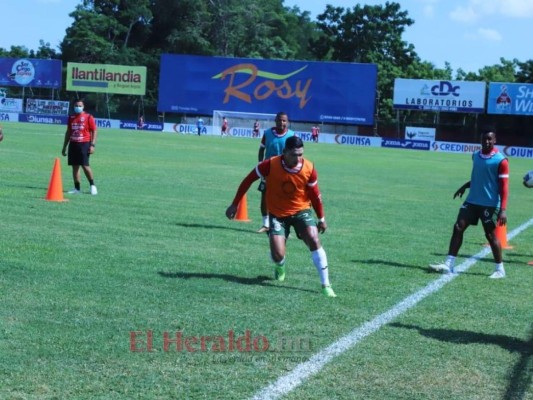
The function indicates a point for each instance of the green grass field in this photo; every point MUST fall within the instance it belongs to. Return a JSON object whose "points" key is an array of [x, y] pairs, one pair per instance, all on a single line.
{"points": [[154, 254]]}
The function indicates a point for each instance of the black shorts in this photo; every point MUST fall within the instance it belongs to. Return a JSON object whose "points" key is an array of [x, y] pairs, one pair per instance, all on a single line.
{"points": [[471, 213], [262, 186], [78, 153]]}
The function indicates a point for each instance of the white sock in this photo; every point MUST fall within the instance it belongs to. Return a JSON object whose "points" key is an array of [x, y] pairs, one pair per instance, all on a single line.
{"points": [[450, 261], [281, 263], [266, 221], [499, 267], [321, 263]]}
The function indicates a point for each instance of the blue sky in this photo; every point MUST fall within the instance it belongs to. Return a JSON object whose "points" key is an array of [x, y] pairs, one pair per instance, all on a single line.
{"points": [[470, 34]]}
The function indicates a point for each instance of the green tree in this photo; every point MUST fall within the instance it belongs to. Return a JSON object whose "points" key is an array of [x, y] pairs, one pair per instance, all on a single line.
{"points": [[109, 32], [15, 52], [504, 72], [45, 51], [525, 71], [370, 34], [103, 30], [180, 27]]}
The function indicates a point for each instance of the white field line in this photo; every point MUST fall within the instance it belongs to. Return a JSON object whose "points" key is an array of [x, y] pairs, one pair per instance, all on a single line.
{"points": [[303, 371]]}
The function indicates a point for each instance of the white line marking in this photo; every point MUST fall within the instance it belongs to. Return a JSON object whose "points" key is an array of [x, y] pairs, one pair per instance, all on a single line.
{"points": [[303, 371]]}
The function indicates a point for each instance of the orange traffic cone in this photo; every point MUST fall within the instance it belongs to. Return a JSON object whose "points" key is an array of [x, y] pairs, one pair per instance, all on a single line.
{"points": [[501, 234], [242, 211], [55, 188]]}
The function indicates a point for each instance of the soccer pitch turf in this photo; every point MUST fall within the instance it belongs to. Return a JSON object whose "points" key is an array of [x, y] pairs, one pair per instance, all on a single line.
{"points": [[147, 291]]}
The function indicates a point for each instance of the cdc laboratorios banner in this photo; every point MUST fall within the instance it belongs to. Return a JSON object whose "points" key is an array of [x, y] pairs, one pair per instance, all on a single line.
{"points": [[30, 72], [332, 92], [510, 98], [106, 78], [448, 96]]}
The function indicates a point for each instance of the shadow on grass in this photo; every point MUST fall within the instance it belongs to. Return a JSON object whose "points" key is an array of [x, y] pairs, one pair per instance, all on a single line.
{"points": [[463, 257], [403, 265], [388, 264], [209, 226], [41, 188], [260, 280], [520, 377]]}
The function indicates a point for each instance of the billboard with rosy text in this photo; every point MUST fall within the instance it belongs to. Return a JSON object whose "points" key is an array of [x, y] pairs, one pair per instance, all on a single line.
{"points": [[332, 92], [30, 72]]}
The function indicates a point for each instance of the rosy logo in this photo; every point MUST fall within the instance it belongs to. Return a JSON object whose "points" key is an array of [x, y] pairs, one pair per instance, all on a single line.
{"points": [[273, 84]]}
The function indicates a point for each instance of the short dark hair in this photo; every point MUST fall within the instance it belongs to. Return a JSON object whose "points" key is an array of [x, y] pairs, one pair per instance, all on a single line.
{"points": [[487, 129], [294, 142]]}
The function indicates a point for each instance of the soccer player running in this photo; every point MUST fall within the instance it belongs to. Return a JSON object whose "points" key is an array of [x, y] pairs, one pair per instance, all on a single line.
{"points": [[272, 144], [486, 201], [292, 183]]}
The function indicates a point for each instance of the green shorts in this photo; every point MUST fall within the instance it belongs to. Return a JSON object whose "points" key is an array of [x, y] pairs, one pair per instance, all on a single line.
{"points": [[300, 221]]}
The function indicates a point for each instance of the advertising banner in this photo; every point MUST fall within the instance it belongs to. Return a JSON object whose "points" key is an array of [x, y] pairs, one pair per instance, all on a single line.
{"points": [[30, 72], [342, 93], [517, 152], [10, 105], [419, 133], [453, 147], [405, 144], [147, 126], [43, 119], [107, 123], [9, 117], [430, 95], [47, 107], [510, 98], [106, 78], [469, 148]]}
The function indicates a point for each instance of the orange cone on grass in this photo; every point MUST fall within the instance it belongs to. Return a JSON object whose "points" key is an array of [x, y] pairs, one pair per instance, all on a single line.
{"points": [[55, 188], [501, 234], [242, 211]]}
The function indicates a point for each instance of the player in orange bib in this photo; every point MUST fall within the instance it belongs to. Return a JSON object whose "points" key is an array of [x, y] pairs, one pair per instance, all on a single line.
{"points": [[292, 189]]}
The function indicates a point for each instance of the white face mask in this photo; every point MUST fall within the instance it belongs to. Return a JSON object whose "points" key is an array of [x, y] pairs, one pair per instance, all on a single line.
{"points": [[78, 109]]}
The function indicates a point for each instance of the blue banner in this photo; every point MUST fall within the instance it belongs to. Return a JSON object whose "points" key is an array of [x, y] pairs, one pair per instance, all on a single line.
{"points": [[44, 119], [147, 126], [406, 144], [328, 92], [9, 117], [30, 72], [510, 98]]}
